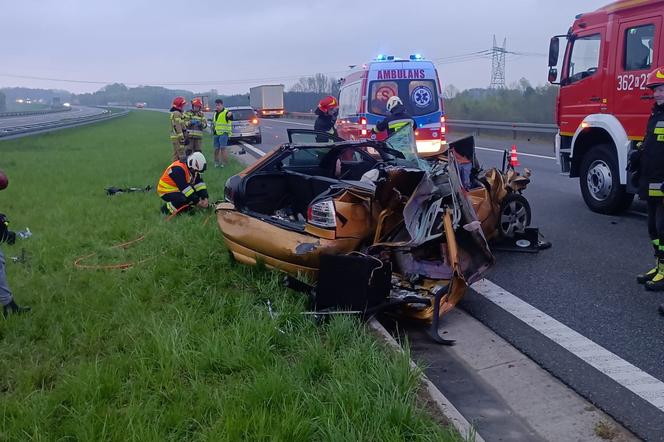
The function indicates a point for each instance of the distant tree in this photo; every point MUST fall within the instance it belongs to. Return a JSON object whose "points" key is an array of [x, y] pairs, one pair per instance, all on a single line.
{"points": [[319, 83], [3, 102], [450, 91]]}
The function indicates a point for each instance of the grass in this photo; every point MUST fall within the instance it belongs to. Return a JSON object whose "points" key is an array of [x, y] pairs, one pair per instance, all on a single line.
{"points": [[181, 347]]}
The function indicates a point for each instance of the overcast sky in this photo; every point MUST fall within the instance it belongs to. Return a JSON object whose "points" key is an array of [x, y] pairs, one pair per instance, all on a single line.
{"points": [[231, 46]]}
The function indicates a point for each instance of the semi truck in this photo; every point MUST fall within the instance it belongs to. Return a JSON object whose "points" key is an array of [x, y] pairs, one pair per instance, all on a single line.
{"points": [[603, 105], [267, 100]]}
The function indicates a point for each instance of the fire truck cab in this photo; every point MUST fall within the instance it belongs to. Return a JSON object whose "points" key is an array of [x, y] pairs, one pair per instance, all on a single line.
{"points": [[603, 104], [365, 90]]}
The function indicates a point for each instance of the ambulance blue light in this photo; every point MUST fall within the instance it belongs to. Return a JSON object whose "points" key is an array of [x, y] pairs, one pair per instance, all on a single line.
{"points": [[415, 56], [381, 57]]}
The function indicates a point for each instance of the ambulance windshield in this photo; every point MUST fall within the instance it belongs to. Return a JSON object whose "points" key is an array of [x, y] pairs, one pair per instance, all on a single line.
{"points": [[419, 96]]}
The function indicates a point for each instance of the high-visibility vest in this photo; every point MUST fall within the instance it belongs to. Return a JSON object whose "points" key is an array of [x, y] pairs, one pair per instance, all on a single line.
{"points": [[167, 185], [222, 125], [395, 125]]}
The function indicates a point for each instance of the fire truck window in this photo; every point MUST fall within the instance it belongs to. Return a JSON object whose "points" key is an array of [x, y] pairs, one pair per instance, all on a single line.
{"points": [[585, 57], [639, 48], [379, 93]]}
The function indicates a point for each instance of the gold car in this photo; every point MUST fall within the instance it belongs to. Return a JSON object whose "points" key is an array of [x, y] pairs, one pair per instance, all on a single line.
{"points": [[312, 197]]}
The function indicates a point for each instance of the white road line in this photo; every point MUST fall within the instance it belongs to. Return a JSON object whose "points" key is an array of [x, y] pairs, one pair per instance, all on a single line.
{"points": [[519, 153], [633, 378], [258, 152], [292, 122]]}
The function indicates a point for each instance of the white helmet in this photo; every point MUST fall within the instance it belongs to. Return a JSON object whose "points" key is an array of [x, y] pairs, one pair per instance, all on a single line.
{"points": [[196, 161], [393, 102]]}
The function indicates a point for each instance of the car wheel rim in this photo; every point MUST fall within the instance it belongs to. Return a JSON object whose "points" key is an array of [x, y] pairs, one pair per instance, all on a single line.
{"points": [[514, 218], [599, 180]]}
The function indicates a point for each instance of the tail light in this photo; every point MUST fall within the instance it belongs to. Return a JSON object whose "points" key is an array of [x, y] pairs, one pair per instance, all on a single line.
{"points": [[322, 214], [363, 123], [443, 127]]}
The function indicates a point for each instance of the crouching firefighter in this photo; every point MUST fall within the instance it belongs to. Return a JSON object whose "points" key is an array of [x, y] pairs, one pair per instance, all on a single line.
{"points": [[181, 186], [647, 166], [397, 118]]}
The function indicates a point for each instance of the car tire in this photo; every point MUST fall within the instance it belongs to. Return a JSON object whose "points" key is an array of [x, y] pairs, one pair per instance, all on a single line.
{"points": [[515, 215], [258, 139], [599, 180]]}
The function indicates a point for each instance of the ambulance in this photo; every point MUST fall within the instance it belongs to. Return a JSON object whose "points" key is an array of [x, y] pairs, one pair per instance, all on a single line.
{"points": [[365, 90]]}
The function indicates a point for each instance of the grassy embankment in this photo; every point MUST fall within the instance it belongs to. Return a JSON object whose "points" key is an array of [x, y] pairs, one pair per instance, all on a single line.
{"points": [[180, 347]]}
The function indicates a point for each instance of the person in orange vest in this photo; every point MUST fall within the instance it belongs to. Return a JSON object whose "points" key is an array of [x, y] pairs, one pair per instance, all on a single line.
{"points": [[178, 130], [181, 186], [195, 122]]}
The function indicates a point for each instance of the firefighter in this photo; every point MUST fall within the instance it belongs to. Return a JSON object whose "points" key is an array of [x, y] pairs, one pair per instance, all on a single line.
{"points": [[327, 116], [195, 122], [9, 306], [648, 163], [397, 118], [178, 132], [221, 129], [181, 186]]}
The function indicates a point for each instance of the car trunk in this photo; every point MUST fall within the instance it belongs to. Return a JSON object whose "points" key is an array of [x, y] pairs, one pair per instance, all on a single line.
{"points": [[284, 196]]}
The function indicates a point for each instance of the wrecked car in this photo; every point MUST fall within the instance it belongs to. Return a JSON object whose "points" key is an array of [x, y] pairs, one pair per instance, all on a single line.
{"points": [[308, 199]]}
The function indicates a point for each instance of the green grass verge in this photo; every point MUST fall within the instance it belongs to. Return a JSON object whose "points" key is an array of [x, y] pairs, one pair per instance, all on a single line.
{"points": [[181, 347]]}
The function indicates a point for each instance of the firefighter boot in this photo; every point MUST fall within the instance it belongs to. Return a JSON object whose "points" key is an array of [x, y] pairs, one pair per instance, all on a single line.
{"points": [[13, 309], [656, 284], [648, 276]]}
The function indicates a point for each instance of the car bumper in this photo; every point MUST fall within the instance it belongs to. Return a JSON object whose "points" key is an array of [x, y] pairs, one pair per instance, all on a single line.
{"points": [[252, 240]]}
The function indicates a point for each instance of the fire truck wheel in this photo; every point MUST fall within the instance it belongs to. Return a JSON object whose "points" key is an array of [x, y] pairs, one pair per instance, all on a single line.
{"points": [[600, 181]]}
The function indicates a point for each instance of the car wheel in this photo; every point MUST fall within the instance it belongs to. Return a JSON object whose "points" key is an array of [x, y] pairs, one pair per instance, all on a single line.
{"points": [[515, 215], [600, 181]]}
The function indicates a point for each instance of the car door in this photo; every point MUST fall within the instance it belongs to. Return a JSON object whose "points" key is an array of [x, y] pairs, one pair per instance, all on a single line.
{"points": [[310, 136], [581, 79], [637, 47]]}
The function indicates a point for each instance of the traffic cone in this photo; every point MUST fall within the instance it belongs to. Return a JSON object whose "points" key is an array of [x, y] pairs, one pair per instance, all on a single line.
{"points": [[514, 160]]}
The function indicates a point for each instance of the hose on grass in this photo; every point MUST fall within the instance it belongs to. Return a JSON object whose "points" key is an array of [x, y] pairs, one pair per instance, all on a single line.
{"points": [[78, 262]]}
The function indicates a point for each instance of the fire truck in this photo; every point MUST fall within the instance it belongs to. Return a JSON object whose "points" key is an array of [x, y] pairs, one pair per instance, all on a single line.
{"points": [[603, 104], [365, 90]]}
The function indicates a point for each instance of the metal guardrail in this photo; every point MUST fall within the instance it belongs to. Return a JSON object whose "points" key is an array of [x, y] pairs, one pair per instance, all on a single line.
{"points": [[35, 112], [470, 124], [35, 128]]}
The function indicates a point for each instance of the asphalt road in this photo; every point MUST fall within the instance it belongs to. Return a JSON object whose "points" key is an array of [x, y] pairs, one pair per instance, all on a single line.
{"points": [[586, 282], [76, 112]]}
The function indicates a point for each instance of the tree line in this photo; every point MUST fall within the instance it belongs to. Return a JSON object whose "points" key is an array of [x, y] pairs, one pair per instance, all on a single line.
{"points": [[521, 102]]}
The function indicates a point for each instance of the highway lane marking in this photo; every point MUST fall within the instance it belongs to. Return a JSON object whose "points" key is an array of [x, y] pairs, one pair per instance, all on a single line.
{"points": [[255, 150], [519, 153], [629, 376]]}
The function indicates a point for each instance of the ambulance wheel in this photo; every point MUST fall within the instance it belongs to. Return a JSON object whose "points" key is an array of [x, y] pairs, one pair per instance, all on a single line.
{"points": [[600, 181], [515, 215]]}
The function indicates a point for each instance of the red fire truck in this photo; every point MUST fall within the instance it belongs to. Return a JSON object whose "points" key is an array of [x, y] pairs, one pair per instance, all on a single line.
{"points": [[603, 104]]}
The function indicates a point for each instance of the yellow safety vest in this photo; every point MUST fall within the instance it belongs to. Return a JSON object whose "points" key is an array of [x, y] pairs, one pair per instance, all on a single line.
{"points": [[222, 125]]}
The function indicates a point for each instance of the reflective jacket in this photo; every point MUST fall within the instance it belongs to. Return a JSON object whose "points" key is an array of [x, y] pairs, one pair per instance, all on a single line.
{"points": [[178, 178], [396, 120], [651, 160], [177, 125], [222, 122], [195, 122]]}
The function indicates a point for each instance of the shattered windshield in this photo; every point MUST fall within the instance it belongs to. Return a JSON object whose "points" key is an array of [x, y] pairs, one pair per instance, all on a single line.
{"points": [[403, 140]]}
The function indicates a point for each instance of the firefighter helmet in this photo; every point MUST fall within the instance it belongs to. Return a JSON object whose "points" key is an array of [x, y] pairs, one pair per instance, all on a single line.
{"points": [[393, 102], [327, 103], [178, 102], [655, 78], [197, 102], [196, 161], [4, 181]]}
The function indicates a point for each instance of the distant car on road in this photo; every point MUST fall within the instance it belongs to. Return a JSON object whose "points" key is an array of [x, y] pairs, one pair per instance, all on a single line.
{"points": [[245, 124]]}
